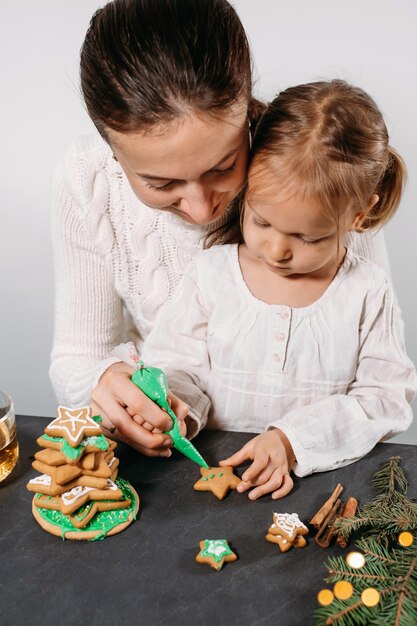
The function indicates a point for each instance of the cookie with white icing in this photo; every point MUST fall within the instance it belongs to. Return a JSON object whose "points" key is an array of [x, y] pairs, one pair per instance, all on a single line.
{"points": [[287, 531]]}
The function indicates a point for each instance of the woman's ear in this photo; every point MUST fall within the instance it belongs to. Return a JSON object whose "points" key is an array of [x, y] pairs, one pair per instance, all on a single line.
{"points": [[360, 217]]}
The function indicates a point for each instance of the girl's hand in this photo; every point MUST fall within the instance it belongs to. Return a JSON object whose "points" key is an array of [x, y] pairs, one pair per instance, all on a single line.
{"points": [[272, 457], [139, 422]]}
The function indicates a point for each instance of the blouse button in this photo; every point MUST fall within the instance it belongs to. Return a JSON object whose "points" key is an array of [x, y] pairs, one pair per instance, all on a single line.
{"points": [[280, 336], [284, 315], [277, 358]]}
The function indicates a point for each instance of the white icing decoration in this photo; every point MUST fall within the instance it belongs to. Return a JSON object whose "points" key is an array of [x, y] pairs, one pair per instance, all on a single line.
{"points": [[69, 497], [89, 441], [73, 419], [215, 548], [288, 522], [218, 550], [41, 480], [112, 461]]}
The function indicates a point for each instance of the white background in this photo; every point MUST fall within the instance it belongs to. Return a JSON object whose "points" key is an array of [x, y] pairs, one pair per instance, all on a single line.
{"points": [[372, 44]]}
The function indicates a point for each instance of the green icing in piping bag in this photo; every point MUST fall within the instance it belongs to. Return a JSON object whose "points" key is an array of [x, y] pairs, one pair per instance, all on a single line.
{"points": [[152, 381]]}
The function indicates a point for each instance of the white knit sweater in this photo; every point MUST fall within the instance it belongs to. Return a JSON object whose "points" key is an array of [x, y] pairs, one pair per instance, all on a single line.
{"points": [[117, 264]]}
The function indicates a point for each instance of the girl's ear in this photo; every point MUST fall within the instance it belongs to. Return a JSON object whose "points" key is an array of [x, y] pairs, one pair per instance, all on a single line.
{"points": [[359, 217]]}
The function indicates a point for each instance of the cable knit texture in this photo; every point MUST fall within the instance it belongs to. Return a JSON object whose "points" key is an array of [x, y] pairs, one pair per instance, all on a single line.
{"points": [[117, 264]]}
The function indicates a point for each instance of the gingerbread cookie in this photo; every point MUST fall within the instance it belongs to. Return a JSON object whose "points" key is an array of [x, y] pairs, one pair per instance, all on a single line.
{"points": [[73, 425], [78, 496], [287, 531], [215, 552], [218, 480], [100, 525], [50, 457], [60, 474], [83, 515], [47, 485], [72, 455]]}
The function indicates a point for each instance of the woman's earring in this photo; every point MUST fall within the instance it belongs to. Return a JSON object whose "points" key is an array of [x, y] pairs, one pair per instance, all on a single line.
{"points": [[115, 157]]}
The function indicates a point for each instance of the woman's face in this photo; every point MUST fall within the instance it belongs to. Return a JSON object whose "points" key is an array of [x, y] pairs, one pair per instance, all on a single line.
{"points": [[192, 167]]}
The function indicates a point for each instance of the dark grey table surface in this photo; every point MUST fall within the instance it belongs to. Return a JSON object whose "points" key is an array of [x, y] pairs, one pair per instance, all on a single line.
{"points": [[147, 574]]}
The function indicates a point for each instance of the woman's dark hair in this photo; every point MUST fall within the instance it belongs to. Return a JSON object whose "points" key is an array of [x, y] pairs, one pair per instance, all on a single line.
{"points": [[147, 62]]}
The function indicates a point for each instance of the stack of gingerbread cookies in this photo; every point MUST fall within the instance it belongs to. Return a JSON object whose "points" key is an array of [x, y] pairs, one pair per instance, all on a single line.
{"points": [[78, 495]]}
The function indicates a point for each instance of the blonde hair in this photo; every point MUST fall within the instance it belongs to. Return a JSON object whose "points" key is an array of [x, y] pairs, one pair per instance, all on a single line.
{"points": [[328, 141]]}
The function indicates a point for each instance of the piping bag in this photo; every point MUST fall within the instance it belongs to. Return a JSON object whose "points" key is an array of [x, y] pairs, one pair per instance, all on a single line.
{"points": [[152, 381]]}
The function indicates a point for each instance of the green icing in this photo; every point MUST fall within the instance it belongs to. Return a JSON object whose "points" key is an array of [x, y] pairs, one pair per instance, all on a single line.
{"points": [[216, 548], [74, 453], [221, 474], [212, 476], [83, 511], [70, 452], [49, 438], [97, 418], [102, 521], [152, 381]]}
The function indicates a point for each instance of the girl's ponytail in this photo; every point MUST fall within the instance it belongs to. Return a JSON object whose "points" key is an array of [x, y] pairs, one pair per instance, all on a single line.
{"points": [[389, 190]]}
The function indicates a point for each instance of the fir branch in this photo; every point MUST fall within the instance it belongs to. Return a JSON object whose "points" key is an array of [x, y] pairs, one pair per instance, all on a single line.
{"points": [[355, 576], [389, 475], [392, 570], [374, 550], [403, 591], [339, 616], [388, 513], [355, 614]]}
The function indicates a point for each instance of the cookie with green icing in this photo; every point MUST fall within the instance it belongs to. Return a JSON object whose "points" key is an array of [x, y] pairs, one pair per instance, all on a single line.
{"points": [[218, 480], [215, 552], [113, 519]]}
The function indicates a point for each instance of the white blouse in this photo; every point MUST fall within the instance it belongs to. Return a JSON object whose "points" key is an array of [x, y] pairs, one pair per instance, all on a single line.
{"points": [[333, 376], [117, 264]]}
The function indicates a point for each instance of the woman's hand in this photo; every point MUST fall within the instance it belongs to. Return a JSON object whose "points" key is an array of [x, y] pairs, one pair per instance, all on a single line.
{"points": [[272, 457], [138, 421]]}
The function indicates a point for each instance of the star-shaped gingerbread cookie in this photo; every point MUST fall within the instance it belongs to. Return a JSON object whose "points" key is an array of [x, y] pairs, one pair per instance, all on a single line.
{"points": [[218, 480], [215, 552], [73, 425], [287, 530], [81, 519], [285, 544]]}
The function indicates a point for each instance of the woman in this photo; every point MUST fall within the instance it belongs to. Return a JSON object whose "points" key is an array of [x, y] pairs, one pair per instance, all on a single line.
{"points": [[168, 85]]}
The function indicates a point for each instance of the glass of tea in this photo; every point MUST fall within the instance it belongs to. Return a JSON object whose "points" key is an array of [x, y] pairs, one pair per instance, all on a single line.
{"points": [[9, 448]]}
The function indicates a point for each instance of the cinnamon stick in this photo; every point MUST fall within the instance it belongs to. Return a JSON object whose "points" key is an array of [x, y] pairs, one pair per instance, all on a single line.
{"points": [[326, 533], [349, 510], [321, 515]]}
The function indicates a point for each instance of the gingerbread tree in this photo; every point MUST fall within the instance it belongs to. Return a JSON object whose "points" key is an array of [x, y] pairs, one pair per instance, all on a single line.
{"points": [[78, 494]]}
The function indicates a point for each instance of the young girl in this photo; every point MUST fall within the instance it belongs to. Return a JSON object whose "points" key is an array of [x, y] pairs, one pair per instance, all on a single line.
{"points": [[286, 330]]}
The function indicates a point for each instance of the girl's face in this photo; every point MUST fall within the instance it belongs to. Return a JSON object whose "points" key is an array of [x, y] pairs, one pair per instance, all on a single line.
{"points": [[292, 236], [192, 167]]}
